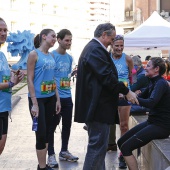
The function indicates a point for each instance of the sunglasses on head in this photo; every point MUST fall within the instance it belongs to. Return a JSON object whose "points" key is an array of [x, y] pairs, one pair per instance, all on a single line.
{"points": [[119, 37]]}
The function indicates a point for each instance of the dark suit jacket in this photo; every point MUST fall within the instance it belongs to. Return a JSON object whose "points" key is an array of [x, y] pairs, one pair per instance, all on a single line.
{"points": [[97, 86]]}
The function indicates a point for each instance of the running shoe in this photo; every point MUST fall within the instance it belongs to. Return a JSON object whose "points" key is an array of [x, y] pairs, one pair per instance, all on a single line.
{"points": [[122, 163], [52, 161], [67, 156], [46, 168]]}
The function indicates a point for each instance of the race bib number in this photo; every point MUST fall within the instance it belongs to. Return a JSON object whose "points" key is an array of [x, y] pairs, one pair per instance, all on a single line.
{"points": [[65, 83], [6, 79], [48, 87]]}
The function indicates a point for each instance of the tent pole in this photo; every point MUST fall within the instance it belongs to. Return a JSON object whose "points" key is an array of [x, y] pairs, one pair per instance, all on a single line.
{"points": [[158, 6]]}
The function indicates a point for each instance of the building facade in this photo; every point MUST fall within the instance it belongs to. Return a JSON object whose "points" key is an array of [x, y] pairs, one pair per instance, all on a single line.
{"points": [[79, 16], [132, 13], [135, 12]]}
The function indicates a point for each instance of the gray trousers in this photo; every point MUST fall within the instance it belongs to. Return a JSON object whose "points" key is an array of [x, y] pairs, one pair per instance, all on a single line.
{"points": [[96, 150]]}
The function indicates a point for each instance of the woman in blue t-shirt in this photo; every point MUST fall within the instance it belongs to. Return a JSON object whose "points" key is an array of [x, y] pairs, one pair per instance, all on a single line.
{"points": [[7, 80], [42, 90]]}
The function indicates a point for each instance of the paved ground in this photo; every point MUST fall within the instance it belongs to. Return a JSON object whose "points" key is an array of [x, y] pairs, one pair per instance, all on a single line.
{"points": [[20, 153]]}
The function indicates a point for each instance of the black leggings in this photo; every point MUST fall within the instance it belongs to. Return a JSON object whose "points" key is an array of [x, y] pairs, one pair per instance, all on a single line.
{"points": [[47, 107], [3, 123], [139, 136]]}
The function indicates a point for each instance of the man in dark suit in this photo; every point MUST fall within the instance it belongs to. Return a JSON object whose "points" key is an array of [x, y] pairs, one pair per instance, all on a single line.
{"points": [[97, 90]]}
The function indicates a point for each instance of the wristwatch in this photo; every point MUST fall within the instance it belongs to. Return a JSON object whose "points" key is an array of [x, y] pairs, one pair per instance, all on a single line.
{"points": [[10, 84]]}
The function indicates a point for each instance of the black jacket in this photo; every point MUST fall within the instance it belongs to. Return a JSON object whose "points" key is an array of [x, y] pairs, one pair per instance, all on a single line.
{"points": [[97, 86], [156, 97]]}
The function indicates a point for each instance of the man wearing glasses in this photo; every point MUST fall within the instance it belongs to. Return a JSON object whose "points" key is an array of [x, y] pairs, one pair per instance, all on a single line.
{"points": [[97, 91]]}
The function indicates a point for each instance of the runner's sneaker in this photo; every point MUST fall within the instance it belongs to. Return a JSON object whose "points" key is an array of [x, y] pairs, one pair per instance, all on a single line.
{"points": [[52, 161], [67, 156], [46, 168], [122, 163]]}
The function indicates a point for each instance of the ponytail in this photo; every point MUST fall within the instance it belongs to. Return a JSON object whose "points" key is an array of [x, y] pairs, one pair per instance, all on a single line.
{"points": [[37, 41]]}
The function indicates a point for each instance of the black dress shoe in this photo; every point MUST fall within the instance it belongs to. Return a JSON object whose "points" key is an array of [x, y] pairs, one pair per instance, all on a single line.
{"points": [[85, 127]]}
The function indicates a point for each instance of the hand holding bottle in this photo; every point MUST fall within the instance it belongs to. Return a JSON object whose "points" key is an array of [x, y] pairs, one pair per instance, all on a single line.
{"points": [[35, 110]]}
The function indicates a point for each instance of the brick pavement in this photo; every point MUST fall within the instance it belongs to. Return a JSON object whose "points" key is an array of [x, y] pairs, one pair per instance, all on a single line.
{"points": [[19, 153]]}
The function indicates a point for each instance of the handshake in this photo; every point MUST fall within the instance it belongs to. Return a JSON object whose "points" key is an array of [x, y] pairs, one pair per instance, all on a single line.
{"points": [[131, 97]]}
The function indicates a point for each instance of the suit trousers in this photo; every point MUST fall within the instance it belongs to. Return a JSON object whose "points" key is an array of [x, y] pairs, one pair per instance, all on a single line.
{"points": [[96, 150]]}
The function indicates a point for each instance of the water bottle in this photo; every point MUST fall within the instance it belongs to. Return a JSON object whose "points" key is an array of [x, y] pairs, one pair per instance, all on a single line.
{"points": [[35, 124]]}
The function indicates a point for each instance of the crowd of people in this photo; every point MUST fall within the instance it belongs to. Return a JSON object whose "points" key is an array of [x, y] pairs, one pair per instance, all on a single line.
{"points": [[110, 85]]}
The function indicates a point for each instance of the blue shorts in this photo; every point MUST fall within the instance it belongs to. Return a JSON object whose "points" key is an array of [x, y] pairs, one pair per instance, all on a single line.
{"points": [[3, 123], [123, 102]]}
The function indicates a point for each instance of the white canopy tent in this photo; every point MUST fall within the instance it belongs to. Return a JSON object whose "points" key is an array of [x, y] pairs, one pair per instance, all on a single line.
{"points": [[153, 34]]}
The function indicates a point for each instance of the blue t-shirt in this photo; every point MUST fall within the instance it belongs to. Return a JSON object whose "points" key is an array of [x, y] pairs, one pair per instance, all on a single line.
{"points": [[122, 69], [44, 82], [5, 94], [62, 73]]}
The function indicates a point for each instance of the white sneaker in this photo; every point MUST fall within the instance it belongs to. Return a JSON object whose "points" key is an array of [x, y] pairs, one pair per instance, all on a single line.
{"points": [[52, 161], [67, 156]]}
